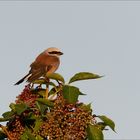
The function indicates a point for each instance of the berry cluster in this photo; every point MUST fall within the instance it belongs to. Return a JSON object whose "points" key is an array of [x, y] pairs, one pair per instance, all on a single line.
{"points": [[15, 128], [27, 97], [63, 121]]}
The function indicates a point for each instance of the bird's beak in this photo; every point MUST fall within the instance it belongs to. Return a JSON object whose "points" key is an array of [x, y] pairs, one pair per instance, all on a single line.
{"points": [[60, 53]]}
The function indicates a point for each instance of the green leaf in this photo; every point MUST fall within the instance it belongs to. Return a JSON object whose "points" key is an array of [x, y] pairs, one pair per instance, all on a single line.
{"points": [[8, 114], [45, 102], [94, 133], [52, 91], [12, 106], [30, 135], [43, 81], [70, 93], [86, 107], [84, 76], [39, 138], [39, 81], [42, 107], [40, 91], [20, 108], [27, 135], [108, 122], [51, 84], [56, 76], [24, 136], [101, 125], [38, 123], [2, 135], [29, 119], [4, 119], [55, 90]]}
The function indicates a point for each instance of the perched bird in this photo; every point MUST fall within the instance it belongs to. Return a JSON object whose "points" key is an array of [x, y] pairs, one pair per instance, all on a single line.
{"points": [[47, 62]]}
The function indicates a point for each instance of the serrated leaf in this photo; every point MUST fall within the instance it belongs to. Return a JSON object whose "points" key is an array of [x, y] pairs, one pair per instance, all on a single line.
{"points": [[20, 108], [93, 133], [45, 102], [56, 76], [84, 76], [108, 122], [70, 93]]}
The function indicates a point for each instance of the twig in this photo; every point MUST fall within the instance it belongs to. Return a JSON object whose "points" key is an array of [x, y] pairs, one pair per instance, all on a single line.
{"points": [[47, 91], [7, 133], [47, 87]]}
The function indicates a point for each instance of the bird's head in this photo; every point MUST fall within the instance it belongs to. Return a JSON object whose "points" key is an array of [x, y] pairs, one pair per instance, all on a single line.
{"points": [[54, 51]]}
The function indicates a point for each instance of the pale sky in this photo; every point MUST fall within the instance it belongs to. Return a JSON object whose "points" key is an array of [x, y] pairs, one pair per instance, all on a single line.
{"points": [[99, 37]]}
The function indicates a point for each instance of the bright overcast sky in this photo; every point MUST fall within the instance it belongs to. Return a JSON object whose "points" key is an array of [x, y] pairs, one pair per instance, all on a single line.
{"points": [[99, 37]]}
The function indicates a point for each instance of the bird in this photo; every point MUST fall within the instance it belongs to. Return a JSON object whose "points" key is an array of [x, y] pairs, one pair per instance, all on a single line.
{"points": [[45, 63]]}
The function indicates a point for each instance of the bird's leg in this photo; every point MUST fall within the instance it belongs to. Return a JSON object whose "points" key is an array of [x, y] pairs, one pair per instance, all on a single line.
{"points": [[59, 83], [47, 87], [7, 133]]}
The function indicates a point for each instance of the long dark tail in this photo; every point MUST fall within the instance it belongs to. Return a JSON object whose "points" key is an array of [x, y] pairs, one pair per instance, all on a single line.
{"points": [[21, 80]]}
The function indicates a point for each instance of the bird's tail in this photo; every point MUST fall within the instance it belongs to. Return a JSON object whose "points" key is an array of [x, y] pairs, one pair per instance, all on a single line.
{"points": [[21, 80]]}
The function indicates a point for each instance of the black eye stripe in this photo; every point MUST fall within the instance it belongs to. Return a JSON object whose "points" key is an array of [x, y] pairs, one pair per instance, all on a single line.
{"points": [[54, 52]]}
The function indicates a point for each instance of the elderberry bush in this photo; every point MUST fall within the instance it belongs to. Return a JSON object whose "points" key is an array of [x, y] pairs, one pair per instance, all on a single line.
{"points": [[59, 116]]}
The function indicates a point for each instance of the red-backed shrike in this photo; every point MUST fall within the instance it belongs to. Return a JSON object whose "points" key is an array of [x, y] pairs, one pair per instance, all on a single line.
{"points": [[47, 62]]}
